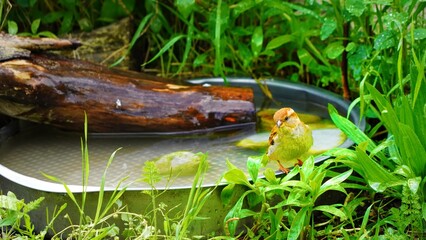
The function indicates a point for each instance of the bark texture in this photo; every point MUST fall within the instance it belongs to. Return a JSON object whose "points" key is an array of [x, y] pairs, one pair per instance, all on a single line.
{"points": [[55, 90]]}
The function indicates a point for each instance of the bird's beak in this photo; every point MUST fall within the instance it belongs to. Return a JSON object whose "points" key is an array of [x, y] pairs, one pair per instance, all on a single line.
{"points": [[279, 123]]}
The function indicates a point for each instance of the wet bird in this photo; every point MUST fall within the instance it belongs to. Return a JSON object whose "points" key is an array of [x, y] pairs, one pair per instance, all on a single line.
{"points": [[290, 139]]}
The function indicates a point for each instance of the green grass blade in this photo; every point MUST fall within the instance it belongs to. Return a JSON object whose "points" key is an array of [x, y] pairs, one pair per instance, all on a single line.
{"points": [[136, 36], [165, 48], [188, 45], [102, 187], [355, 134]]}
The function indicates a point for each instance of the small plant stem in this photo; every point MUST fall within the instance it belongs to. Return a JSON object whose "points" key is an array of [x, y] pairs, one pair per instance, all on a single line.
{"points": [[344, 64]]}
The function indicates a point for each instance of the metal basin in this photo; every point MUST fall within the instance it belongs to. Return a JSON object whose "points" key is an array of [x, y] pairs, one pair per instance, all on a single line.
{"points": [[38, 149]]}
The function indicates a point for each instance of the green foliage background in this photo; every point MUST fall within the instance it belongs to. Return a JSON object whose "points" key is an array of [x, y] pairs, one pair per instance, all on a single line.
{"points": [[316, 42]]}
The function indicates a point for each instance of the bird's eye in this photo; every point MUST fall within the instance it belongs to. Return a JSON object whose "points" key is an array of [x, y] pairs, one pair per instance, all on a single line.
{"points": [[286, 118]]}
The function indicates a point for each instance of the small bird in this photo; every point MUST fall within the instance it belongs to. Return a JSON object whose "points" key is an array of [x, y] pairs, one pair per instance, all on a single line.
{"points": [[290, 138]]}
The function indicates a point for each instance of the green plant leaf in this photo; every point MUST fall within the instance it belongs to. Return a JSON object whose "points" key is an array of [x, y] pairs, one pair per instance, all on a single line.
{"points": [[257, 41], [334, 50], [235, 214], [354, 133], [297, 224], [395, 20], [327, 28], [253, 165], [279, 41], [412, 151], [384, 40], [418, 34], [227, 193], [12, 27], [46, 34], [237, 176], [305, 57], [112, 10], [35, 25], [243, 6], [185, 7], [333, 210], [66, 23], [334, 183], [355, 7], [270, 175]]}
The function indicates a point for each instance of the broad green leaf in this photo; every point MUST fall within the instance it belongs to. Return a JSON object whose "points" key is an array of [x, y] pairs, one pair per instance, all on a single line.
{"points": [[185, 7], [231, 219], [351, 46], [12, 27], [245, 54], [355, 7], [307, 169], [412, 151], [254, 198], [337, 179], [354, 133], [279, 41], [112, 10], [35, 25], [237, 176], [328, 28], [270, 175], [413, 184], [297, 224], [333, 210], [305, 57], [10, 202], [294, 183], [66, 23], [230, 165], [378, 177], [200, 60], [253, 165], [334, 50], [52, 17], [46, 34], [257, 41], [243, 6], [395, 20], [226, 193], [418, 34], [384, 40]]}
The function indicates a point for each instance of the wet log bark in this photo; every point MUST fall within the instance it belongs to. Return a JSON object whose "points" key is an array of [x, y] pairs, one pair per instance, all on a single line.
{"points": [[50, 89], [47, 88]]}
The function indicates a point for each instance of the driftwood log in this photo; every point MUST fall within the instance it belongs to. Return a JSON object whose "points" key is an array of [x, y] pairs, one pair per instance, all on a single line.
{"points": [[47, 88]]}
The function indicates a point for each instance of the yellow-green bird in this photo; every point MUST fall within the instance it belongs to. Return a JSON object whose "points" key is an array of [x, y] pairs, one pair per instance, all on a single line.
{"points": [[290, 138]]}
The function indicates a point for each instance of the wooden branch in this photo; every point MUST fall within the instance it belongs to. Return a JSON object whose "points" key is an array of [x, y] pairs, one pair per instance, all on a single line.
{"points": [[57, 91], [50, 89]]}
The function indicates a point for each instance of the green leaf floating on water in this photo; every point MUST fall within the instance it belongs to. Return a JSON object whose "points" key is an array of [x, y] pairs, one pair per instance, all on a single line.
{"points": [[178, 163]]}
